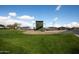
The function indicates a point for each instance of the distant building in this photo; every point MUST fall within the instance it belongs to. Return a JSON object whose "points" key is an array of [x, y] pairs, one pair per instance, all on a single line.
{"points": [[62, 28], [25, 28], [51, 28]]}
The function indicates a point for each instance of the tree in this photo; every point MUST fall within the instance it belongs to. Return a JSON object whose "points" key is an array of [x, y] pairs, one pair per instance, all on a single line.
{"points": [[14, 26], [2, 26]]}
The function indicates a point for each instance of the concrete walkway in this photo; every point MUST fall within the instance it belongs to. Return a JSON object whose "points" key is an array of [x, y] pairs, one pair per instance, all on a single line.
{"points": [[76, 32], [77, 35], [45, 32]]}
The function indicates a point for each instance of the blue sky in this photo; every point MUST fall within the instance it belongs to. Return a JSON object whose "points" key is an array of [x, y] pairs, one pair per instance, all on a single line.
{"points": [[52, 15]]}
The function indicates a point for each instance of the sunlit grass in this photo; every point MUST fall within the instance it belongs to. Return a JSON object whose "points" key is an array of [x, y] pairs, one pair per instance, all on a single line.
{"points": [[15, 41]]}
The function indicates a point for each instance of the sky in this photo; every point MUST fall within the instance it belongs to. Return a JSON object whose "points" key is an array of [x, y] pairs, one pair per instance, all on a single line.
{"points": [[52, 15]]}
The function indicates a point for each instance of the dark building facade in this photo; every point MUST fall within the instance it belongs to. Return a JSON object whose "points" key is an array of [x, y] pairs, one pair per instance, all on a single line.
{"points": [[39, 25]]}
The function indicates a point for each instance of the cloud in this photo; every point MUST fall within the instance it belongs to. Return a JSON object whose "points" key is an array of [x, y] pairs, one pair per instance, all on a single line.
{"points": [[3, 20], [72, 24], [6, 21], [26, 17], [3, 17], [56, 18], [9, 19], [12, 14], [58, 7], [50, 24], [55, 25]]}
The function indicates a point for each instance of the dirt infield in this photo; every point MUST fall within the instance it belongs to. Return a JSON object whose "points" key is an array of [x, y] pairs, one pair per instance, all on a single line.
{"points": [[45, 32]]}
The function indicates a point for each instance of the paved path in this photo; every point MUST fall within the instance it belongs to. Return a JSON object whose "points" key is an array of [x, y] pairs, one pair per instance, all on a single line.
{"points": [[76, 32], [77, 35], [45, 32]]}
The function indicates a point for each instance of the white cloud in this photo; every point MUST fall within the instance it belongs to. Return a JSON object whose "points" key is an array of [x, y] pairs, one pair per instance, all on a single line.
{"points": [[53, 25], [58, 7], [26, 17], [57, 25], [3, 20], [6, 21], [12, 14], [72, 24], [56, 18], [3, 17]]}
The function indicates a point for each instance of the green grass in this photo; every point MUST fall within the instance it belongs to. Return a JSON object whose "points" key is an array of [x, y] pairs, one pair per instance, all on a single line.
{"points": [[15, 42]]}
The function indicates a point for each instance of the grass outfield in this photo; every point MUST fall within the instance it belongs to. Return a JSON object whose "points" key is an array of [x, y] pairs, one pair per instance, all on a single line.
{"points": [[14, 42]]}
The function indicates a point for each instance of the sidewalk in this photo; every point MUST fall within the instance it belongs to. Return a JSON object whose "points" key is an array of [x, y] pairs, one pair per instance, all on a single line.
{"points": [[77, 35]]}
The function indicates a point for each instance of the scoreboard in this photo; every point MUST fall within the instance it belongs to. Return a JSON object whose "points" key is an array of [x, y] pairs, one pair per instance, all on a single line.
{"points": [[39, 25]]}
